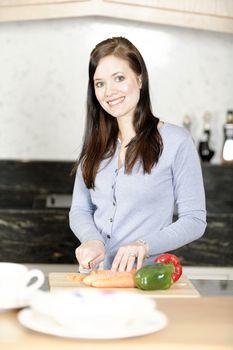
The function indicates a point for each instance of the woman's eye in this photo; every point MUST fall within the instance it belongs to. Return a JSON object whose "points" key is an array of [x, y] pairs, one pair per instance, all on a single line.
{"points": [[99, 84], [120, 78]]}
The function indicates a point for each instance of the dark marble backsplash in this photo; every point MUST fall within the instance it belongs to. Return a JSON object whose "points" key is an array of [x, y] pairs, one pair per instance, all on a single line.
{"points": [[218, 182], [30, 232], [214, 248], [26, 184], [36, 236]]}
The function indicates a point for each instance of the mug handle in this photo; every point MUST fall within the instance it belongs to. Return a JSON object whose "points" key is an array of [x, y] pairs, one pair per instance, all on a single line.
{"points": [[39, 275]]}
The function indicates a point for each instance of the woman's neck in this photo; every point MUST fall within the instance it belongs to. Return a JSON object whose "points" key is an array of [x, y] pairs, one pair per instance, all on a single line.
{"points": [[126, 130]]}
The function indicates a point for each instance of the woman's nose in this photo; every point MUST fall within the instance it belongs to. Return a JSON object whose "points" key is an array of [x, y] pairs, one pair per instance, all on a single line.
{"points": [[109, 90]]}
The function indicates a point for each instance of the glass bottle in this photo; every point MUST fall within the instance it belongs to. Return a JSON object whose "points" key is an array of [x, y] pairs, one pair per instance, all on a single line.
{"points": [[187, 123], [204, 150], [227, 152]]}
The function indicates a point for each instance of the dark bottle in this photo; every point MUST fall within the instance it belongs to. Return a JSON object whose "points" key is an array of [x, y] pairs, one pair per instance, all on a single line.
{"points": [[204, 150], [227, 152]]}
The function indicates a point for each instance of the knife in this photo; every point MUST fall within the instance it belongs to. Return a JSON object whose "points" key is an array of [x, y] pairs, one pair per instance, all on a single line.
{"points": [[90, 268]]}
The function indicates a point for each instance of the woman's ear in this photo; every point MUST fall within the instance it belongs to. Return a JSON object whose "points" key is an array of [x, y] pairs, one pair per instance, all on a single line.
{"points": [[140, 81]]}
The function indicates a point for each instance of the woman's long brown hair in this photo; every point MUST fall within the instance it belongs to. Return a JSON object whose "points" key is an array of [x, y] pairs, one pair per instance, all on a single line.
{"points": [[101, 130]]}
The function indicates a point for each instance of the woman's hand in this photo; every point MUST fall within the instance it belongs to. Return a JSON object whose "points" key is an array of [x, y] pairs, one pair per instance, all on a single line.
{"points": [[129, 254], [90, 253]]}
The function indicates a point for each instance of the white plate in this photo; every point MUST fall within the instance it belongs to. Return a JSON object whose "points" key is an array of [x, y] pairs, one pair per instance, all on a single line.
{"points": [[44, 324]]}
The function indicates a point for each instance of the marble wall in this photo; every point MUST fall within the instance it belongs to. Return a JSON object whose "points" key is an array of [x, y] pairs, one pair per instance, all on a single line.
{"points": [[43, 79]]}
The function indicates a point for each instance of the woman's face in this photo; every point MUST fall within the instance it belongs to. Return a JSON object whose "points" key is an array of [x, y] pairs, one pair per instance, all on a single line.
{"points": [[117, 87]]}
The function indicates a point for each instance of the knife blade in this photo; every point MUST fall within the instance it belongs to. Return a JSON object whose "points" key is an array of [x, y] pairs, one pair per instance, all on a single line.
{"points": [[90, 268]]}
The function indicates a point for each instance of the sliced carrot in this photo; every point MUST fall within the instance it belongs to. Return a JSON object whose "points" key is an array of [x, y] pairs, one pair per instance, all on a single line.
{"points": [[87, 280], [76, 277], [125, 281]]}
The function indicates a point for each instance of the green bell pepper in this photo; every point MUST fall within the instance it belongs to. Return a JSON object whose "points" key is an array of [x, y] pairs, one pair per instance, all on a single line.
{"points": [[152, 277]]}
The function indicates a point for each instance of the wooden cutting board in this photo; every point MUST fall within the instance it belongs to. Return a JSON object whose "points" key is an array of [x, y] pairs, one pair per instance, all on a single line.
{"points": [[181, 289]]}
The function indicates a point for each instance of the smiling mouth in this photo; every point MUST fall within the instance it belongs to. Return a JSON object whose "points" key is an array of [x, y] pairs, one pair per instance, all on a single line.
{"points": [[116, 101]]}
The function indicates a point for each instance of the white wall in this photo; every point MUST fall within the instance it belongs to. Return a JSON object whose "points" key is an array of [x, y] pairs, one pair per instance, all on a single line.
{"points": [[43, 80]]}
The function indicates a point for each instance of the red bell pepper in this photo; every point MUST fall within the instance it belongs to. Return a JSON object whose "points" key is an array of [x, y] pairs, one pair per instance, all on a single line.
{"points": [[171, 259]]}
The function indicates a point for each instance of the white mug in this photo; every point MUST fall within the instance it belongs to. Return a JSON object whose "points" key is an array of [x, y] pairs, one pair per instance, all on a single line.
{"points": [[15, 286]]}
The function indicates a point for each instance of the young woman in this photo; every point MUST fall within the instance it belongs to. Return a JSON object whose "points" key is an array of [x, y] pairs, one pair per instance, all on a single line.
{"points": [[133, 169]]}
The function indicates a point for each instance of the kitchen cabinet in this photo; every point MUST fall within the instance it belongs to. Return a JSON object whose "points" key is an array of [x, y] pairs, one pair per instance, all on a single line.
{"points": [[214, 15]]}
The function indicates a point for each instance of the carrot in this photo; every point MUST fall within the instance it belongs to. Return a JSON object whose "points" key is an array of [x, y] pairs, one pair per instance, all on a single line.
{"points": [[91, 278], [124, 281], [110, 278], [101, 272], [119, 274], [106, 272], [76, 277]]}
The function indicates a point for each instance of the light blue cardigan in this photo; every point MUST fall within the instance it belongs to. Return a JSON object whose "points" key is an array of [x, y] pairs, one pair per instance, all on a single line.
{"points": [[124, 208]]}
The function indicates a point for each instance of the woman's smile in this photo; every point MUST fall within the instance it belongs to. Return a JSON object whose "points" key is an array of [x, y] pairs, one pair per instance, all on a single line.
{"points": [[116, 102]]}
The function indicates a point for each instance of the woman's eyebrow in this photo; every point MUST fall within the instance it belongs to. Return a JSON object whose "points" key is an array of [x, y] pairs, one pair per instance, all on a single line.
{"points": [[116, 73], [112, 75]]}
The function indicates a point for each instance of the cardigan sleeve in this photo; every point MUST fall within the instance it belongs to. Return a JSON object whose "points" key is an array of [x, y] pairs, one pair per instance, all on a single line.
{"points": [[189, 197], [82, 211]]}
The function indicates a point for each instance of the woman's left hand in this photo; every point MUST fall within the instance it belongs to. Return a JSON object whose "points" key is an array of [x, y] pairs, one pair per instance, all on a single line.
{"points": [[129, 254]]}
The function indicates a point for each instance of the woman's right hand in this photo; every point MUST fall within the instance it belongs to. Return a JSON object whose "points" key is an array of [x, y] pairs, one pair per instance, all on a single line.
{"points": [[90, 253]]}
